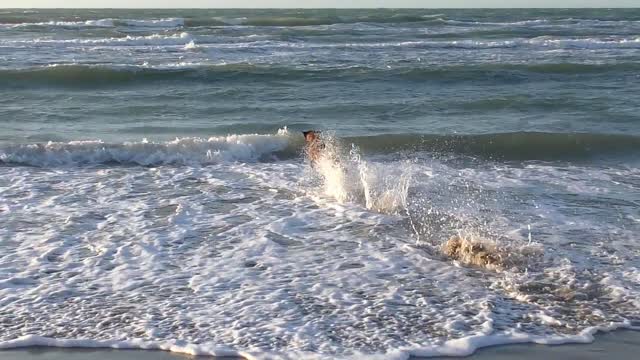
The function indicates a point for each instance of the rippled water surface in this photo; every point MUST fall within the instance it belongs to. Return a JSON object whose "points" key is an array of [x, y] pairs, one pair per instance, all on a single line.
{"points": [[480, 182]]}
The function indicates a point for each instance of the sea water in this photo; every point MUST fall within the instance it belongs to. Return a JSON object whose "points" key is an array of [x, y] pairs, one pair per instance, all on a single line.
{"points": [[154, 191]]}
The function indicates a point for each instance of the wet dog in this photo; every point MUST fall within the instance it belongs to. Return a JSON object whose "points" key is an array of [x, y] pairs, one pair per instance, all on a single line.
{"points": [[313, 145], [488, 254], [472, 253]]}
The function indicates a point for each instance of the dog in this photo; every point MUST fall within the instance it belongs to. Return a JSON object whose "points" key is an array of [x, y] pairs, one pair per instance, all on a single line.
{"points": [[488, 254], [313, 145], [473, 253]]}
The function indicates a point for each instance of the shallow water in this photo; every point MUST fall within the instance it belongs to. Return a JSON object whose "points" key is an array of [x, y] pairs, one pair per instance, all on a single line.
{"points": [[154, 191]]}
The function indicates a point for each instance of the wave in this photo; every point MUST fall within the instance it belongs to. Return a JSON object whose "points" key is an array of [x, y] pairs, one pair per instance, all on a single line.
{"points": [[66, 24], [425, 19], [545, 41], [155, 23], [290, 21], [117, 75], [285, 145], [183, 151], [298, 18], [506, 146], [541, 41], [267, 21], [495, 23], [129, 40], [168, 22], [457, 347], [586, 43], [294, 20], [544, 21]]}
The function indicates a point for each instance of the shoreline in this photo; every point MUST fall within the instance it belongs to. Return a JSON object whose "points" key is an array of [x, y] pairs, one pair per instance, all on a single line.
{"points": [[617, 344]]}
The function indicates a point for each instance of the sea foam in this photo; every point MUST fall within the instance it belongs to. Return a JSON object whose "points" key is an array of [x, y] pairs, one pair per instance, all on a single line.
{"points": [[179, 151], [461, 347], [156, 23]]}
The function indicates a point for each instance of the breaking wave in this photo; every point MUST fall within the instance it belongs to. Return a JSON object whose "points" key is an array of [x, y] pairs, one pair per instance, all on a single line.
{"points": [[183, 151], [299, 20], [542, 41], [285, 145], [156, 23]]}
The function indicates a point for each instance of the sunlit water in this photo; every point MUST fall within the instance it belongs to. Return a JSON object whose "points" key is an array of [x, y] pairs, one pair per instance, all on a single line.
{"points": [[154, 190]]}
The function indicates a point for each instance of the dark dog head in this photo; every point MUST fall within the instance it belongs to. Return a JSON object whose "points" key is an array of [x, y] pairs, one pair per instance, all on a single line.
{"points": [[310, 136], [313, 144]]}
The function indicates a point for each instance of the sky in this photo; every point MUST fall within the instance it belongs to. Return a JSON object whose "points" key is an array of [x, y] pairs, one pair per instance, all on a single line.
{"points": [[312, 3]]}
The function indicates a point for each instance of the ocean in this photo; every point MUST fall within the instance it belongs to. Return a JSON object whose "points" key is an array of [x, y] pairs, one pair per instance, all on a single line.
{"points": [[480, 182]]}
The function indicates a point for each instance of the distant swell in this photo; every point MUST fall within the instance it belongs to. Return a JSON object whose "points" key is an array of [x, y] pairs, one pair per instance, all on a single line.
{"points": [[213, 42], [251, 148], [299, 20], [310, 21], [507, 146], [102, 75], [217, 18], [290, 21]]}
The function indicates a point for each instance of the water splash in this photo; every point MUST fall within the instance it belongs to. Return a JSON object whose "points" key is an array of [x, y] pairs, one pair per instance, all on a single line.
{"points": [[347, 177]]}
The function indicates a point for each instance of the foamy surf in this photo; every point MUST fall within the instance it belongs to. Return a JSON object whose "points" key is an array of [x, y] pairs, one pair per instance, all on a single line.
{"points": [[545, 42], [155, 238], [181, 151], [129, 40], [455, 348], [225, 239], [151, 23], [166, 22], [73, 24]]}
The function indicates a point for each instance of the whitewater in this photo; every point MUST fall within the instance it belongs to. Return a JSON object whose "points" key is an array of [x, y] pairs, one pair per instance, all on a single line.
{"points": [[479, 185]]}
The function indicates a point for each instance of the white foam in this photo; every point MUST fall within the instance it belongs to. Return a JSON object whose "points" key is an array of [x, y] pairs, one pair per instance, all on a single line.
{"points": [[254, 258], [461, 347], [179, 151], [172, 346], [513, 23], [182, 38], [156, 23], [545, 41], [468, 345], [587, 43], [191, 45], [232, 21], [99, 23], [168, 22], [78, 24]]}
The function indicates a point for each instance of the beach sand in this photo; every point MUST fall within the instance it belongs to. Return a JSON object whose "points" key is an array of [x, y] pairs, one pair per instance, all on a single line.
{"points": [[622, 344]]}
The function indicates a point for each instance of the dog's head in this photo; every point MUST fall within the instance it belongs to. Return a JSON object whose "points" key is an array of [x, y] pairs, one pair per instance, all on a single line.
{"points": [[310, 136]]}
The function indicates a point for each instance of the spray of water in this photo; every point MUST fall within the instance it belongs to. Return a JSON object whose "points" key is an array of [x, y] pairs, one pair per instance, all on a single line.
{"points": [[347, 177], [454, 230]]}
